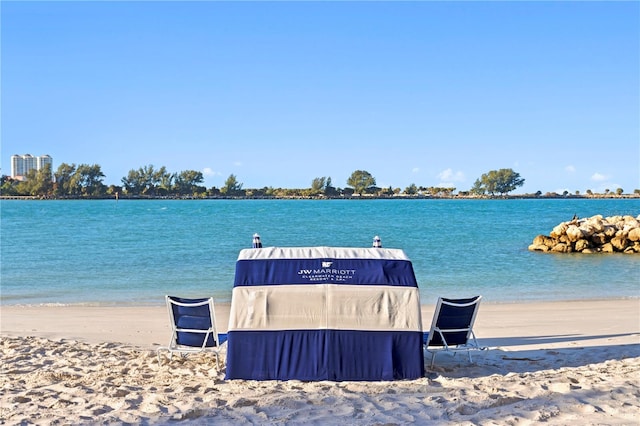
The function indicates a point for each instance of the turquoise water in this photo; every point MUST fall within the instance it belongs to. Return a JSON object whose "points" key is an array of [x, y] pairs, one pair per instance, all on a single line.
{"points": [[134, 252]]}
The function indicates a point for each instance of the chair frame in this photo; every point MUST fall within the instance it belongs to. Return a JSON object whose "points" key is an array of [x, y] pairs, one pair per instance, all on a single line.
{"points": [[471, 342], [184, 350]]}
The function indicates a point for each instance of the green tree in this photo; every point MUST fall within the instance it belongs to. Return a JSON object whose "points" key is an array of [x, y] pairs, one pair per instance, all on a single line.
{"points": [[133, 183], [361, 181], [8, 186], [500, 181], [619, 191], [167, 183], [27, 185], [231, 186], [318, 185], [37, 182], [478, 188], [161, 179], [44, 181], [114, 189], [150, 179], [388, 191], [187, 182], [146, 180], [63, 176], [411, 189], [89, 178]]}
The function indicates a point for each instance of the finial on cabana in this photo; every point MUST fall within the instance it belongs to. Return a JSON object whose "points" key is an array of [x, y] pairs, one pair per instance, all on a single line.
{"points": [[376, 242], [256, 241]]}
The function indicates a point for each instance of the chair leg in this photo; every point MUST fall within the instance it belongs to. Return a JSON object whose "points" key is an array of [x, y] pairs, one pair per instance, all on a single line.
{"points": [[433, 358], [159, 353]]}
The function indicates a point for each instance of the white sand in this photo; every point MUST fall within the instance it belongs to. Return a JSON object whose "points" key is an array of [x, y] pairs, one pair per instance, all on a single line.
{"points": [[559, 363]]}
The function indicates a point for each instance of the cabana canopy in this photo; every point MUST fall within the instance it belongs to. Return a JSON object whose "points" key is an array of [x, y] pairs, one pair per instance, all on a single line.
{"points": [[324, 313]]}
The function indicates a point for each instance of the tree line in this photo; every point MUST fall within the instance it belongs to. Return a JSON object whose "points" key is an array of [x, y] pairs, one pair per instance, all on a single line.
{"points": [[86, 181]]}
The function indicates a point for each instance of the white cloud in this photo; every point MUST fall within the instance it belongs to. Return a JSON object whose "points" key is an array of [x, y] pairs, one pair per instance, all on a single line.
{"points": [[570, 168], [598, 177], [415, 170], [450, 175], [237, 163], [208, 171], [448, 178]]}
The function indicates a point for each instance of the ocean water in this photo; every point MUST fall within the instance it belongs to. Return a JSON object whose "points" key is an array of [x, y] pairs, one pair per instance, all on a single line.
{"points": [[108, 252]]}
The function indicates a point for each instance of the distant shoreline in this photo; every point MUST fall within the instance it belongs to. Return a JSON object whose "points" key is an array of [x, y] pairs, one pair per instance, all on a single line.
{"points": [[351, 197]]}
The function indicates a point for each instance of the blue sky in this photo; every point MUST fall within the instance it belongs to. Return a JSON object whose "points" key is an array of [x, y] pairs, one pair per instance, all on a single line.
{"points": [[278, 93]]}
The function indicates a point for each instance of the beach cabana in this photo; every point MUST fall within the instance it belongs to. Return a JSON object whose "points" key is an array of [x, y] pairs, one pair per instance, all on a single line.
{"points": [[324, 313]]}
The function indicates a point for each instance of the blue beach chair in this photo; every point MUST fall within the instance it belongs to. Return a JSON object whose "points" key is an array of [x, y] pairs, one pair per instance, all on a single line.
{"points": [[452, 327], [193, 327]]}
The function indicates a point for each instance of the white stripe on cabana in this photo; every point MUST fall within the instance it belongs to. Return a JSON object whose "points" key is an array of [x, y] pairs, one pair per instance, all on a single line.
{"points": [[325, 306], [321, 253]]}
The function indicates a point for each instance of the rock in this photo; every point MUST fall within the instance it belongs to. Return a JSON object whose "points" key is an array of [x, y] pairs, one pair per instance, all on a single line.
{"points": [[574, 233], [619, 243], [592, 235], [587, 229], [562, 248], [616, 221], [582, 245], [606, 248], [545, 241], [599, 238], [631, 221], [558, 230], [596, 223], [610, 231], [634, 234]]}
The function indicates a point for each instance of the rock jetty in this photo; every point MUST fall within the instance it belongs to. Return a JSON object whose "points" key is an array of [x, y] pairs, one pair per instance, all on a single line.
{"points": [[597, 234]]}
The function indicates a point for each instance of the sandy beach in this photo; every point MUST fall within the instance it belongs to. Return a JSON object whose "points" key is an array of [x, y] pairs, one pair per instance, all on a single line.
{"points": [[554, 362]]}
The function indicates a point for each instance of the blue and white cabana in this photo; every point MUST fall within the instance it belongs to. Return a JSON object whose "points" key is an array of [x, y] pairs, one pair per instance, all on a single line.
{"points": [[324, 313]]}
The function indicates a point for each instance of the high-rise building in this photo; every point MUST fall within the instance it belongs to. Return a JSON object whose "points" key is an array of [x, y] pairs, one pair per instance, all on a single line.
{"points": [[21, 164], [43, 160]]}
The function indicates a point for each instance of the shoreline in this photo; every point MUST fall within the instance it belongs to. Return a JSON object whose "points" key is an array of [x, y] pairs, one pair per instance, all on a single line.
{"points": [[148, 326], [227, 301], [553, 362], [551, 196]]}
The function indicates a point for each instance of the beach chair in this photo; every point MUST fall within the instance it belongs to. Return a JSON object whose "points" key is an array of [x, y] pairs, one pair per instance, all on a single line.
{"points": [[193, 327], [452, 327]]}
